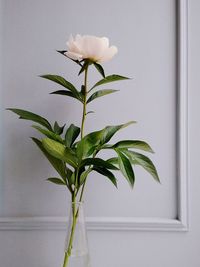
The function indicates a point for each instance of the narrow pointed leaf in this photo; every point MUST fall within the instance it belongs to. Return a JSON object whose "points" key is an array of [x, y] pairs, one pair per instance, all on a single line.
{"points": [[27, 115], [62, 52], [68, 93], [90, 112], [109, 131], [58, 129], [109, 79], [84, 176], [71, 134], [97, 139], [114, 161], [71, 179], [134, 144], [61, 81], [97, 162], [126, 168], [48, 133], [144, 162], [83, 92], [84, 66], [56, 163], [100, 93], [68, 173], [59, 151], [88, 144], [100, 69], [107, 173], [63, 92], [56, 180]]}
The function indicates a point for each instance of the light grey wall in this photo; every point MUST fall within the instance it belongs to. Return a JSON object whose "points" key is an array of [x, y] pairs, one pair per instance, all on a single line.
{"points": [[32, 34], [144, 34]]}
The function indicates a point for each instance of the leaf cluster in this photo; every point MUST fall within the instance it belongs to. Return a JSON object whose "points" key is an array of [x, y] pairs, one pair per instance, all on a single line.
{"points": [[74, 161], [68, 89], [75, 158]]}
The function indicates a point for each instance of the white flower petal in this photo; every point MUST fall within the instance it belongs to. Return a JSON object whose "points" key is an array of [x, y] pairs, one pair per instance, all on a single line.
{"points": [[90, 47], [71, 45], [78, 38], [73, 55], [103, 45], [79, 42], [93, 47], [70, 41], [108, 54], [105, 42]]}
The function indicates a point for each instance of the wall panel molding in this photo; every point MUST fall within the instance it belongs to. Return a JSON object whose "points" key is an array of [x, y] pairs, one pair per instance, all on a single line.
{"points": [[141, 224], [93, 224]]}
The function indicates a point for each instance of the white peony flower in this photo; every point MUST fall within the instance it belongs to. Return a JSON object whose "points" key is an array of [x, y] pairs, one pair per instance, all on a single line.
{"points": [[90, 47]]}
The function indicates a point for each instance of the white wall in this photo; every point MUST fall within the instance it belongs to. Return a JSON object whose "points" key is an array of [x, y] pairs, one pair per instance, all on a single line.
{"points": [[146, 29]]}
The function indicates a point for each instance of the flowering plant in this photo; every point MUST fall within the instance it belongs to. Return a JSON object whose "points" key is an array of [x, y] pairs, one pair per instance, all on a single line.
{"points": [[74, 159]]}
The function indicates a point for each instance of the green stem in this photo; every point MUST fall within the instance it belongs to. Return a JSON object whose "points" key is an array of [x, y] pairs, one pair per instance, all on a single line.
{"points": [[69, 249], [84, 102], [83, 186], [82, 189], [83, 119], [74, 212]]}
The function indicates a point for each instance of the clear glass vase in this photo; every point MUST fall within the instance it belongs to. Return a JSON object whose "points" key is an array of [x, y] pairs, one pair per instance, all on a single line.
{"points": [[76, 244]]}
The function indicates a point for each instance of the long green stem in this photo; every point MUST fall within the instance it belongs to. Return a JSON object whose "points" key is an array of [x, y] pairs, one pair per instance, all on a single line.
{"points": [[84, 103], [69, 248], [74, 212], [83, 119], [83, 186], [82, 190]]}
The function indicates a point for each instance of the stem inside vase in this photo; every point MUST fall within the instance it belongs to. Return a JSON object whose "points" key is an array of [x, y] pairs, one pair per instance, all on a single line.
{"points": [[69, 249], [76, 254]]}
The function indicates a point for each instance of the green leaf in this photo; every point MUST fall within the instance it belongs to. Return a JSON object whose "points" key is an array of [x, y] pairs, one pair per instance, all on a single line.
{"points": [[97, 139], [100, 69], [56, 180], [62, 52], [61, 81], [90, 112], [100, 93], [114, 161], [48, 133], [27, 115], [71, 179], [68, 93], [144, 162], [56, 163], [97, 162], [126, 168], [84, 67], [83, 92], [134, 144], [68, 173], [59, 151], [58, 129], [88, 144], [106, 173], [84, 176], [71, 134], [109, 131], [109, 79]]}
